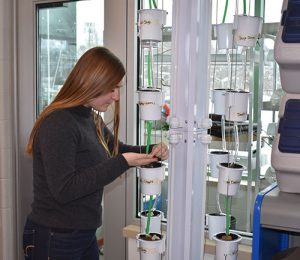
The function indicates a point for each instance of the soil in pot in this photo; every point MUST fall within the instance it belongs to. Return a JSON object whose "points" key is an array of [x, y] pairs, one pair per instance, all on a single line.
{"points": [[150, 237], [224, 237], [149, 90], [153, 165], [154, 213], [232, 91], [231, 165], [215, 214], [219, 152]]}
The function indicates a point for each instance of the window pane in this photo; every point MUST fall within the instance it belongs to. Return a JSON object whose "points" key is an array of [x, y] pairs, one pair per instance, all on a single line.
{"points": [[218, 10], [223, 71], [273, 11], [64, 32]]}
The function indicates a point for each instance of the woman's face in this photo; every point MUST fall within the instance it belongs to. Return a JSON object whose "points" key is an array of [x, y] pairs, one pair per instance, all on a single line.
{"points": [[102, 102]]}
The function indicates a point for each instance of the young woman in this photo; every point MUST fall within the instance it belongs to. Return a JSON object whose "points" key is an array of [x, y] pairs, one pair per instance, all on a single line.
{"points": [[74, 156]]}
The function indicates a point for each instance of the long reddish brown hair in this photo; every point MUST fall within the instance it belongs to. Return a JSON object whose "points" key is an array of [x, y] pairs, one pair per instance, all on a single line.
{"points": [[97, 72]]}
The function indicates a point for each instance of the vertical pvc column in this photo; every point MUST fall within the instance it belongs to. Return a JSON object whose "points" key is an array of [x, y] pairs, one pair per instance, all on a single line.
{"points": [[191, 35]]}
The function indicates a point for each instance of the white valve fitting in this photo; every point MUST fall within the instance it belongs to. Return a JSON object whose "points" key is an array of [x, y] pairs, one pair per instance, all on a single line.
{"points": [[205, 123], [175, 138], [174, 123], [205, 138]]}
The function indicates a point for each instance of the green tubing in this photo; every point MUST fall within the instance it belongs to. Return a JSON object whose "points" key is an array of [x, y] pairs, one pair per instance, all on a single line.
{"points": [[225, 11], [244, 6], [149, 215], [154, 4], [149, 68], [149, 127], [227, 215]]}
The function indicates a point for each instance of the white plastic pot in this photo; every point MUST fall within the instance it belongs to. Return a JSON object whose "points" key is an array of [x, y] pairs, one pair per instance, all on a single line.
{"points": [[236, 105], [216, 157], [151, 250], [218, 99], [229, 178], [247, 30], [227, 250], [155, 221], [150, 104], [216, 223], [224, 34], [150, 23], [151, 179]]}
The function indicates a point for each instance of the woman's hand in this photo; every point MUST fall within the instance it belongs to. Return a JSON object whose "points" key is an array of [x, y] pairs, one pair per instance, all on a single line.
{"points": [[139, 159], [160, 151]]}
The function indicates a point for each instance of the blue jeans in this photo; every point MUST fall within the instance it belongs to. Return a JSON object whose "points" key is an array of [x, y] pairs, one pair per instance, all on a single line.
{"points": [[43, 243]]}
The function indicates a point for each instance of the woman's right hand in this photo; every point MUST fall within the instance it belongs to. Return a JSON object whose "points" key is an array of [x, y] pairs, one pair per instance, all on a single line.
{"points": [[139, 159]]}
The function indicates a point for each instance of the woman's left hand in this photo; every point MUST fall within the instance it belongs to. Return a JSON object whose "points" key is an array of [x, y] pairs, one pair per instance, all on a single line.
{"points": [[160, 151]]}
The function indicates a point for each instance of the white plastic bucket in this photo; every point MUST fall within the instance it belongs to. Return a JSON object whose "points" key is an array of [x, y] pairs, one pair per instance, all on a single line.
{"points": [[236, 104], [150, 104], [151, 250], [216, 223], [218, 99], [216, 157], [151, 22], [151, 179], [155, 221], [229, 178], [247, 30], [227, 250], [224, 33]]}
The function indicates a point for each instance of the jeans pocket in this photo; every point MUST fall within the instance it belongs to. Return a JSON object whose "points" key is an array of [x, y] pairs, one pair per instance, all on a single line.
{"points": [[29, 243]]}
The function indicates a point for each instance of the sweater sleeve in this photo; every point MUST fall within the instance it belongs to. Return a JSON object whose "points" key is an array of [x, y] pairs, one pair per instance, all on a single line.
{"points": [[57, 144]]}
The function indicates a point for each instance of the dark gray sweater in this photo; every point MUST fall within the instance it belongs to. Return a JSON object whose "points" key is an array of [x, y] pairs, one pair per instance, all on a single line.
{"points": [[70, 170]]}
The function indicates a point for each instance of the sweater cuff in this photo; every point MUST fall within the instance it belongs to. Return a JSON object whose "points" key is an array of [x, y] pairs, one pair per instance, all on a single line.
{"points": [[123, 163]]}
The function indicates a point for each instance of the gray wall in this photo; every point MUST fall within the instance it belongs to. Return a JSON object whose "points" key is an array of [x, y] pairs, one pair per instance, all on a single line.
{"points": [[7, 130]]}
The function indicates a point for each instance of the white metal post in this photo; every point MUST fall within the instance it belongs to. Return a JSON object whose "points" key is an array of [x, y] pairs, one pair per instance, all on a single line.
{"points": [[189, 122]]}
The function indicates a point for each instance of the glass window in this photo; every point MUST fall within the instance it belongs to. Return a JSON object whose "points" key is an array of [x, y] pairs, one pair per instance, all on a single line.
{"points": [[240, 69], [65, 31]]}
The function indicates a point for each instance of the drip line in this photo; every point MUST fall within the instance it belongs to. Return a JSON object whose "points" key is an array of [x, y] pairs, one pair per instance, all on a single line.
{"points": [[154, 4], [227, 214], [149, 126], [236, 137], [245, 66], [149, 215], [218, 203], [229, 68], [223, 132], [149, 68], [225, 11], [249, 8], [245, 7]]}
